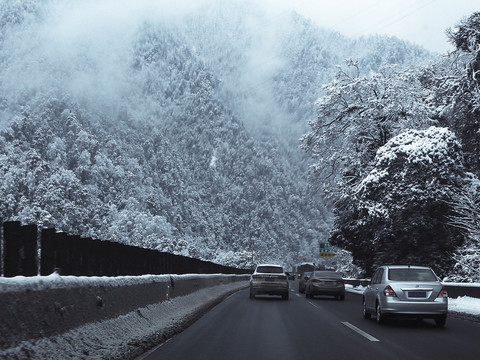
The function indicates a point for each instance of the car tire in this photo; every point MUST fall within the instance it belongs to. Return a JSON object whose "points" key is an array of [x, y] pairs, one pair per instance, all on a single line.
{"points": [[252, 293], [285, 296], [366, 314], [341, 297], [379, 316], [441, 320]]}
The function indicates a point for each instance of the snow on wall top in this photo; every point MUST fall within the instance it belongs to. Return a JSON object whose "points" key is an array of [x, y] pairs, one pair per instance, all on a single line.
{"points": [[55, 281]]}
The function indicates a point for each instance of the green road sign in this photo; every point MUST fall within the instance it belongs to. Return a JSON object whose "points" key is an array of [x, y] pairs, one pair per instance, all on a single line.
{"points": [[325, 250]]}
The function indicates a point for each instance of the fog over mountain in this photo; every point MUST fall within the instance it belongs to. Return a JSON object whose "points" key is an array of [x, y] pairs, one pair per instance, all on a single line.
{"points": [[166, 126]]}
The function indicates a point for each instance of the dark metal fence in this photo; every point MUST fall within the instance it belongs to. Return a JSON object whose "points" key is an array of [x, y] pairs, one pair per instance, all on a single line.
{"points": [[27, 252]]}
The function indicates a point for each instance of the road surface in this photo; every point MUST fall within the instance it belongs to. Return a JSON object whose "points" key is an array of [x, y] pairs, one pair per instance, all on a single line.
{"points": [[319, 328]]}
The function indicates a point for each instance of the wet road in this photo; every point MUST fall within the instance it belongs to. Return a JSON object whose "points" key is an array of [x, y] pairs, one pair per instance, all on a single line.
{"points": [[321, 328]]}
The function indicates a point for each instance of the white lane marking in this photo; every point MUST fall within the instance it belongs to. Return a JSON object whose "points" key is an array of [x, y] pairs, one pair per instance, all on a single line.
{"points": [[318, 307], [361, 332], [353, 327]]}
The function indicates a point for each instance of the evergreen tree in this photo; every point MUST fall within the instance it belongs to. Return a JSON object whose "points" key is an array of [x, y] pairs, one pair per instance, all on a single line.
{"points": [[399, 211], [466, 217]]}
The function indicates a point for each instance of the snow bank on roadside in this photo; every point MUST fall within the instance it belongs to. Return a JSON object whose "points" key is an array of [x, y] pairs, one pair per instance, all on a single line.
{"points": [[464, 304], [126, 336], [355, 289]]}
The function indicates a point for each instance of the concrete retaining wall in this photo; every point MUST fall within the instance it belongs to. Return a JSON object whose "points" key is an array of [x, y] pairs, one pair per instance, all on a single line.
{"points": [[456, 290], [46, 306]]}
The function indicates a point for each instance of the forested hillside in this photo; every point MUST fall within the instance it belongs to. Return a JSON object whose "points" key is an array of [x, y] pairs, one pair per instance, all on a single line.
{"points": [[398, 151], [175, 131]]}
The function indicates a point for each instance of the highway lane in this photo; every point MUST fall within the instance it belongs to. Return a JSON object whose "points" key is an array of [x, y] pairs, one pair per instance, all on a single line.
{"points": [[270, 328]]}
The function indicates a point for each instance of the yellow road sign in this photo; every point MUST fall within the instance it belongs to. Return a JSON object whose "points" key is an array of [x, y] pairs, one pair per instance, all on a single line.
{"points": [[325, 254]]}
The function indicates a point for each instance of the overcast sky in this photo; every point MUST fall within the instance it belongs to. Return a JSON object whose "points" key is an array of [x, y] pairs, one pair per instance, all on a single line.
{"points": [[419, 21]]}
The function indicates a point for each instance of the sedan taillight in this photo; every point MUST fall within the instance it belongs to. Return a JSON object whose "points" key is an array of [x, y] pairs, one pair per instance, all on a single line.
{"points": [[443, 293], [315, 280], [388, 291]]}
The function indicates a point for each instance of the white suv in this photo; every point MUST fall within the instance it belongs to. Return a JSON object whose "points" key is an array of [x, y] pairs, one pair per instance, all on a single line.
{"points": [[269, 279]]}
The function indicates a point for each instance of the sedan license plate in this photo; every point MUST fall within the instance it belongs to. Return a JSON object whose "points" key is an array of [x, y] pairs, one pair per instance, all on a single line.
{"points": [[329, 282], [417, 294]]}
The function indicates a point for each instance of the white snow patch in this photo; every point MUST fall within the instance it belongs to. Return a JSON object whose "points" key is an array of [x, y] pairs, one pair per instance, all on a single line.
{"points": [[464, 304], [213, 161]]}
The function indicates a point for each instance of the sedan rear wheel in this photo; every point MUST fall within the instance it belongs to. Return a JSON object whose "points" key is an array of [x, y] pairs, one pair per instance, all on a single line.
{"points": [[441, 320], [252, 294], [366, 314], [380, 316]]}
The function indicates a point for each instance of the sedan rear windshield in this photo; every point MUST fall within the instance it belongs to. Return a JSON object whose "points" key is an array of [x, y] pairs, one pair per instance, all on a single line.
{"points": [[411, 275], [327, 274], [270, 269]]}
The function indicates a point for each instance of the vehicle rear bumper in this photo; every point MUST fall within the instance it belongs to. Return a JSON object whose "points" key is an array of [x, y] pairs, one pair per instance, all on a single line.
{"points": [[395, 306], [269, 288], [318, 290]]}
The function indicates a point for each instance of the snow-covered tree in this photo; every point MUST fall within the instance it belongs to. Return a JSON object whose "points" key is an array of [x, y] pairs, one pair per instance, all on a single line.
{"points": [[398, 213], [459, 88], [466, 207], [358, 115]]}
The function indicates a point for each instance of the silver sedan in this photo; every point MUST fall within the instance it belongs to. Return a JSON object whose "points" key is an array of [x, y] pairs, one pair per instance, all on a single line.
{"points": [[406, 291]]}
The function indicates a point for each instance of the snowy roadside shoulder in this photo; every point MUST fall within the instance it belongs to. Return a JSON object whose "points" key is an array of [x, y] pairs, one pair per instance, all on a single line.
{"points": [[127, 336], [464, 306]]}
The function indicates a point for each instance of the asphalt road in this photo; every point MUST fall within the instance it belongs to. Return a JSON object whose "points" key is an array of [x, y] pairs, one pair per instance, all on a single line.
{"points": [[320, 328]]}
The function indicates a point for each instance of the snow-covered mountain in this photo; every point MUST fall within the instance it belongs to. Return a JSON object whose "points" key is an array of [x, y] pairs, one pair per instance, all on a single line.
{"points": [[169, 127]]}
